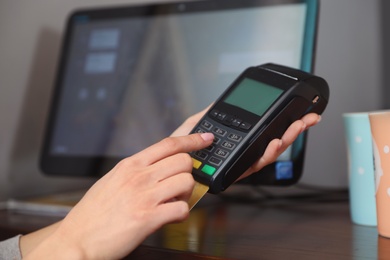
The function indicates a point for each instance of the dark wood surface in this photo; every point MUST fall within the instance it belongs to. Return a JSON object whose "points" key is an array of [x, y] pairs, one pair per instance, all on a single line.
{"points": [[300, 227]]}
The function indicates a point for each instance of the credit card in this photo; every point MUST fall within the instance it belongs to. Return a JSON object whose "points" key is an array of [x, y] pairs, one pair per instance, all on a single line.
{"points": [[198, 192]]}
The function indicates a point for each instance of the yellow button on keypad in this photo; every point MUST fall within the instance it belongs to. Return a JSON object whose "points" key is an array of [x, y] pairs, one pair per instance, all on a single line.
{"points": [[196, 164]]}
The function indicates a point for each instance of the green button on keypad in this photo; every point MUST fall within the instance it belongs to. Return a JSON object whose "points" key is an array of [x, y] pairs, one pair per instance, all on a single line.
{"points": [[209, 170]]}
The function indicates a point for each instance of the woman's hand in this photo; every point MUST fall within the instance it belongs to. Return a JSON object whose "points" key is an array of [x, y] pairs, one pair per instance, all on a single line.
{"points": [[138, 196], [277, 146]]}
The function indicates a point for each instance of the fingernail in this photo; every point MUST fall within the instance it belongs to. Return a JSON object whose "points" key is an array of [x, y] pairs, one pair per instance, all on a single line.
{"points": [[319, 118], [207, 136]]}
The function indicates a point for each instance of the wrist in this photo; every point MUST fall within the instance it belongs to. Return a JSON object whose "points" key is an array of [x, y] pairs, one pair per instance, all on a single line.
{"points": [[57, 246]]}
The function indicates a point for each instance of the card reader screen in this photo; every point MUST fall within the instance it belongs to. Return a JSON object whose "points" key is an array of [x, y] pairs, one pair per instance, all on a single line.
{"points": [[253, 96]]}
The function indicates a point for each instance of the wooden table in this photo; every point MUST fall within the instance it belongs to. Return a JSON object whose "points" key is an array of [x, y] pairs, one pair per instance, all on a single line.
{"points": [[224, 227]]}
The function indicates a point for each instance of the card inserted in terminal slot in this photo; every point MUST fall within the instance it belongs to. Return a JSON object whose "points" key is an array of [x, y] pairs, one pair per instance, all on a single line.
{"points": [[199, 191]]}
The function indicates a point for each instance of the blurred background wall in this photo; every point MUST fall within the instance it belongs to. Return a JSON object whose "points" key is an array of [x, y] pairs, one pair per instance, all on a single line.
{"points": [[350, 53]]}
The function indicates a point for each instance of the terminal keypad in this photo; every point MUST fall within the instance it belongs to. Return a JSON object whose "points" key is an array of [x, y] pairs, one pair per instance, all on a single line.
{"points": [[226, 139]]}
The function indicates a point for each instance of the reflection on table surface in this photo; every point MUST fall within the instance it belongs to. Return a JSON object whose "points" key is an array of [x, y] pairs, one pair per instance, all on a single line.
{"points": [[303, 226], [294, 228]]}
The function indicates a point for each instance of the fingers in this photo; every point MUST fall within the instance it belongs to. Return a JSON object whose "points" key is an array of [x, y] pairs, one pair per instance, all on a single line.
{"points": [[173, 145], [291, 134], [170, 213], [177, 187], [278, 146], [295, 129], [271, 153], [188, 124], [311, 119], [170, 166], [175, 199], [171, 196]]}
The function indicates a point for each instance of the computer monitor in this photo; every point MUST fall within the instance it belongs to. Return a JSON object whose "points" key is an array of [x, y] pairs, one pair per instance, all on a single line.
{"points": [[129, 75]]}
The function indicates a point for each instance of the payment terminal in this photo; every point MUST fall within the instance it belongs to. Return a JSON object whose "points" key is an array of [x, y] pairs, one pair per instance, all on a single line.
{"points": [[255, 109]]}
